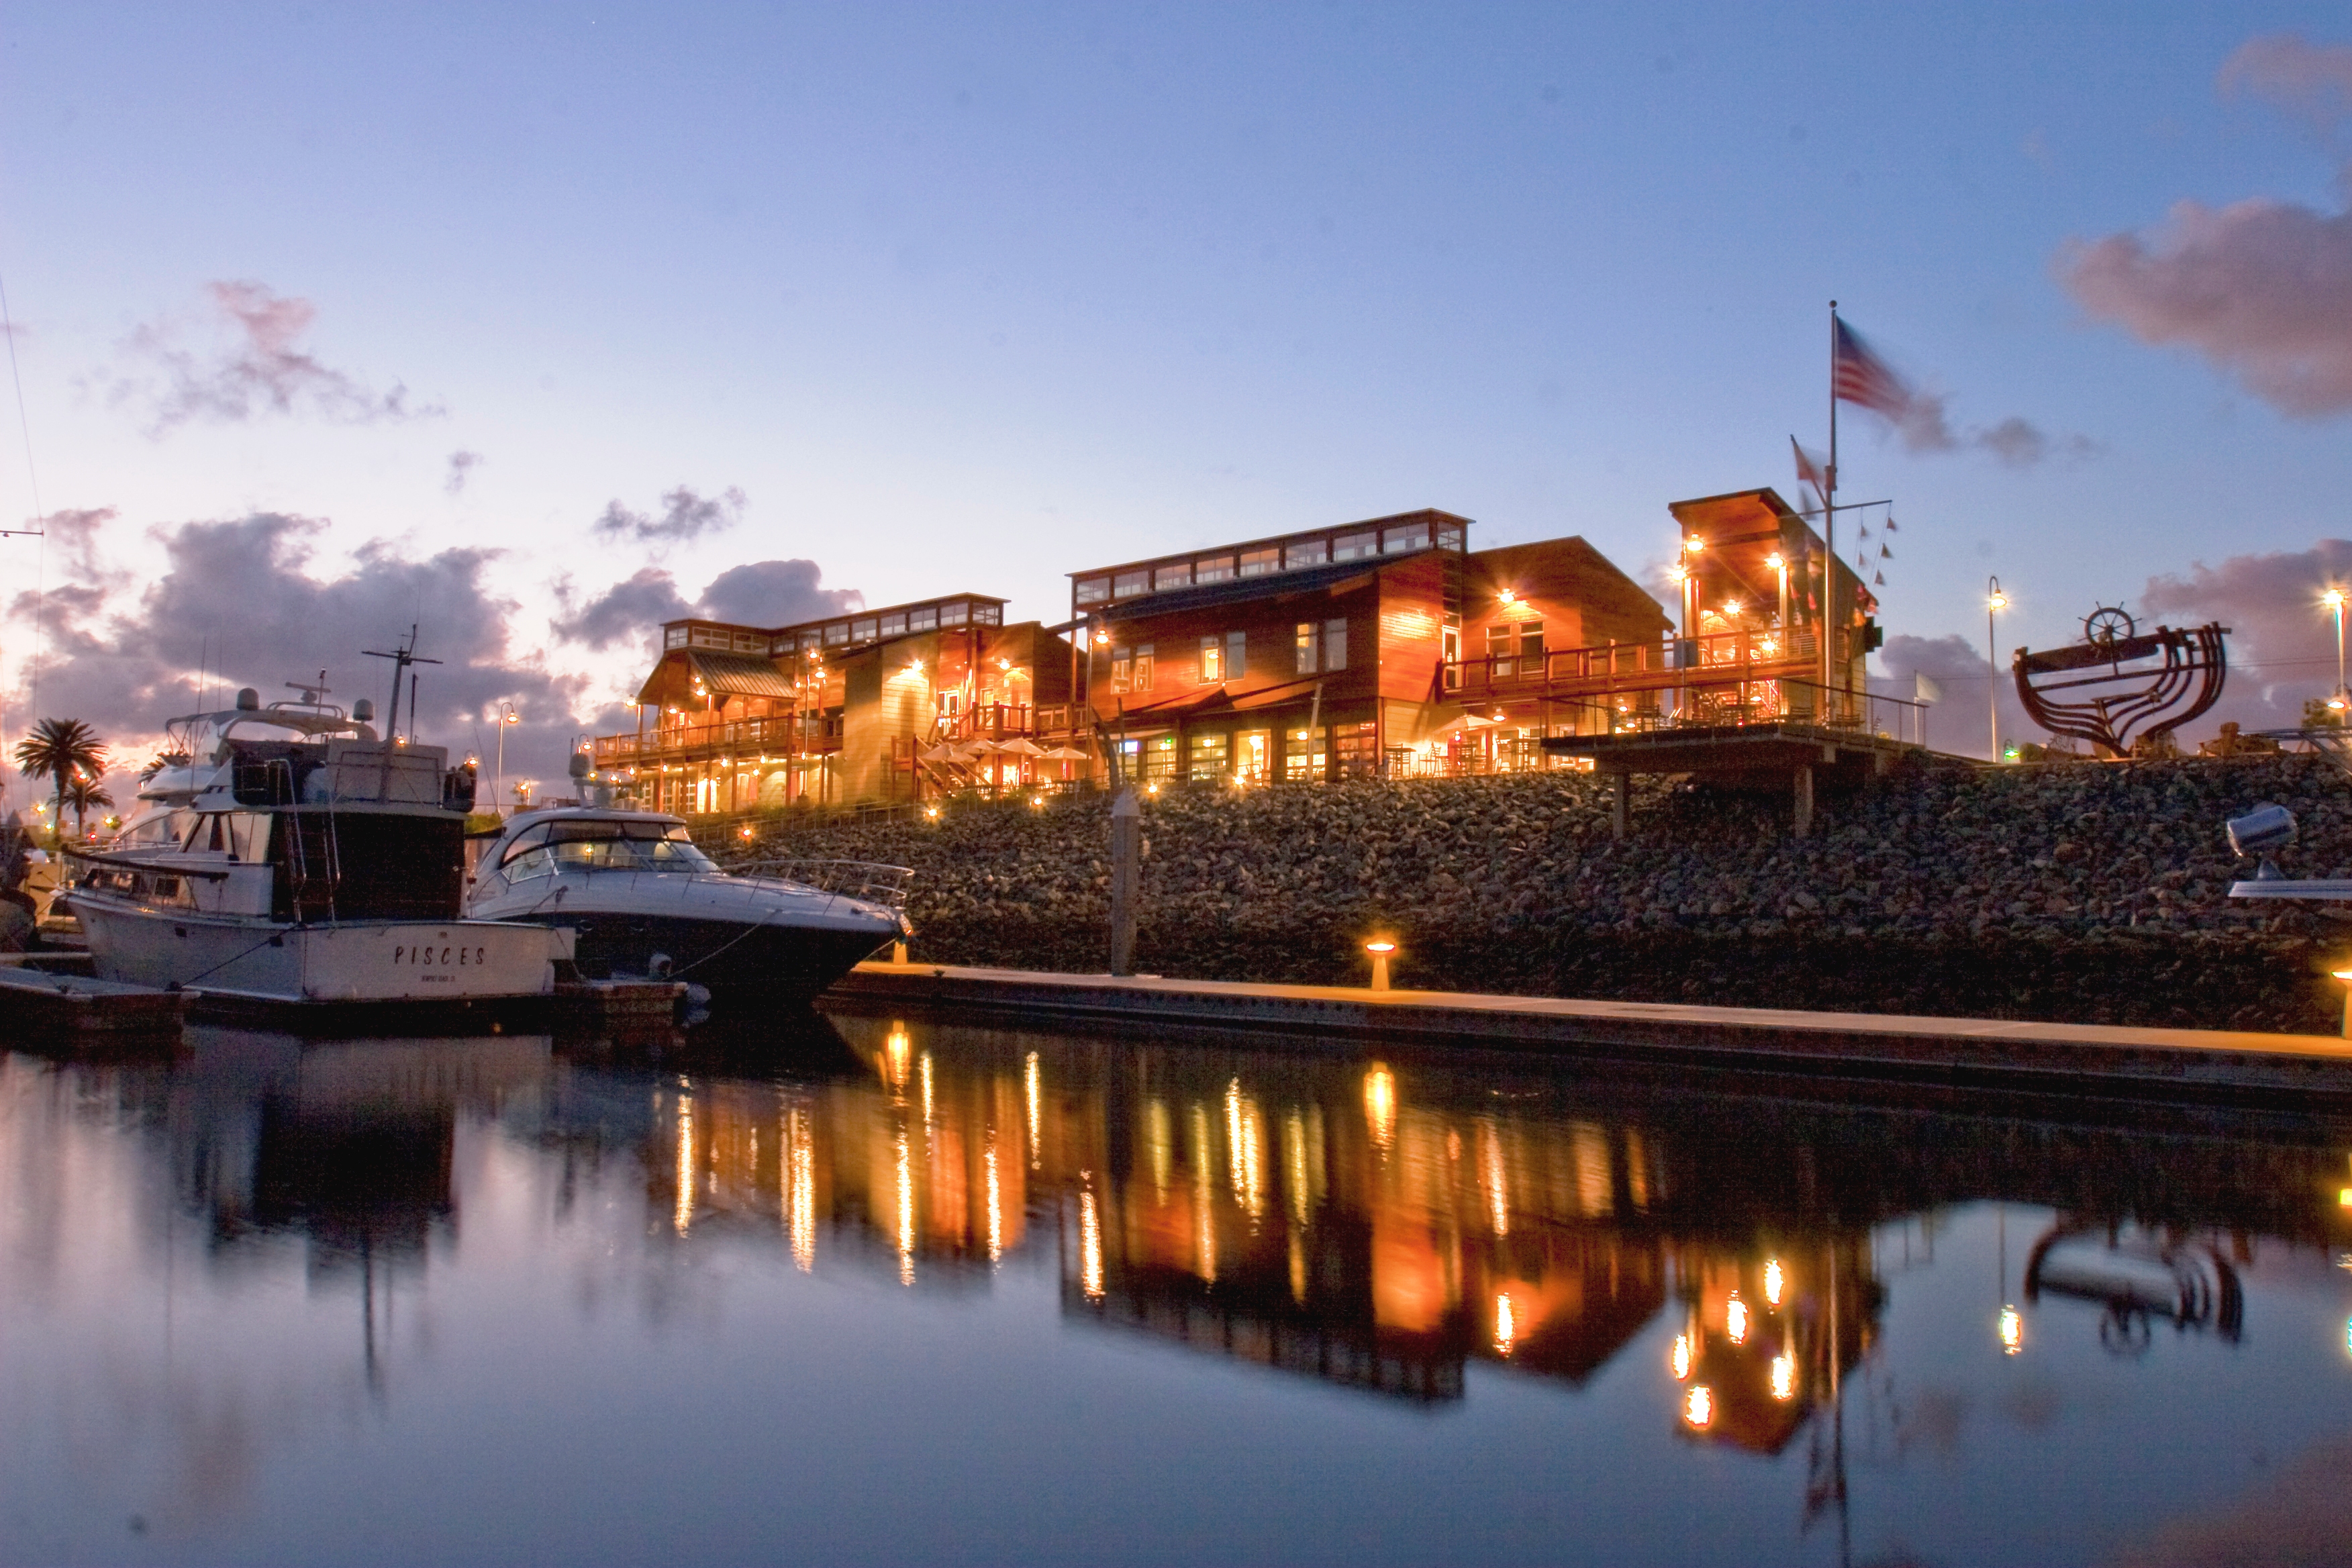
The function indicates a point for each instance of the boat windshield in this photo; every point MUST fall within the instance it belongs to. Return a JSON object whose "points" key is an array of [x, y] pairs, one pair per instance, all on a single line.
{"points": [[601, 845]]}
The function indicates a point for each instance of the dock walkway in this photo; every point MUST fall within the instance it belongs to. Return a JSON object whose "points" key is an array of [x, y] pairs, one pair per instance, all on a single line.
{"points": [[1993, 1053]]}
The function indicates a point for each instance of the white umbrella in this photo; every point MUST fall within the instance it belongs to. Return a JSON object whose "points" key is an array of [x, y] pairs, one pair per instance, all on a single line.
{"points": [[1020, 746], [941, 753], [979, 748], [1067, 754]]}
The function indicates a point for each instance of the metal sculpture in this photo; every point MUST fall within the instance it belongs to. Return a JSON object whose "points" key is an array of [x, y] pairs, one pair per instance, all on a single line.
{"points": [[2121, 680]]}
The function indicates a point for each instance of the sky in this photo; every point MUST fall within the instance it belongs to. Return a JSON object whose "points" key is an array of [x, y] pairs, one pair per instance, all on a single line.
{"points": [[531, 325]]}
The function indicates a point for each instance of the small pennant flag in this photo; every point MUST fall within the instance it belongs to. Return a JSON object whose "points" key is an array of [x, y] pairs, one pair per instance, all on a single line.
{"points": [[1859, 375], [1879, 581], [1812, 469], [1884, 553], [1890, 526]]}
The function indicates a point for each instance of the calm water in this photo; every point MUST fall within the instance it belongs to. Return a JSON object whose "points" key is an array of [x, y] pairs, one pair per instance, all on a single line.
{"points": [[923, 1293]]}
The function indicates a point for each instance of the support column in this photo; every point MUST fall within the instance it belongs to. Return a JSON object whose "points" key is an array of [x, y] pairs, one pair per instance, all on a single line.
{"points": [[1805, 791], [1125, 868], [1620, 788]]}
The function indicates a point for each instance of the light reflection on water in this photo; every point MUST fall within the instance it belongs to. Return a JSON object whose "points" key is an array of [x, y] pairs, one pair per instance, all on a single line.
{"points": [[906, 1291]]}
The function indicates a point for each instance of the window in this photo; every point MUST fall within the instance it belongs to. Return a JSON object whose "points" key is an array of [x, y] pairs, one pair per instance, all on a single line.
{"points": [[988, 615], [894, 625], [1449, 536], [862, 631], [1516, 649], [1303, 763], [837, 634], [1311, 552], [1176, 576], [1259, 563], [1223, 658], [1130, 582], [1334, 645], [924, 619], [1130, 669], [1356, 747], [1213, 568], [1322, 646], [1356, 546], [674, 637], [1093, 590], [1403, 537], [1309, 649], [1210, 758], [1449, 654], [954, 614]]}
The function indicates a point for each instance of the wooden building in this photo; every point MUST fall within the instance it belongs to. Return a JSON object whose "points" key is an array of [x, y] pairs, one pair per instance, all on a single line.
{"points": [[878, 707], [1381, 647]]}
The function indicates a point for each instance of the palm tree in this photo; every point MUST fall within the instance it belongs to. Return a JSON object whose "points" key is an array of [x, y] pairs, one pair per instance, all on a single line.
{"points": [[59, 749], [86, 795]]}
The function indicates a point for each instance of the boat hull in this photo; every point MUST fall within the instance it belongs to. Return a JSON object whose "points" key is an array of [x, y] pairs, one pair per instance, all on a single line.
{"points": [[742, 963], [424, 961]]}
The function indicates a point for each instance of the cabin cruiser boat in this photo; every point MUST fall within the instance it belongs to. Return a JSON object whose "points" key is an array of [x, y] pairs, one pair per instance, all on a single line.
{"points": [[643, 901], [286, 855]]}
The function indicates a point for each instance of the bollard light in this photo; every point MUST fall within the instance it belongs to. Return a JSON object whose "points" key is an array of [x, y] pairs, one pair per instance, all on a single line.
{"points": [[1380, 948], [2346, 976], [898, 952]]}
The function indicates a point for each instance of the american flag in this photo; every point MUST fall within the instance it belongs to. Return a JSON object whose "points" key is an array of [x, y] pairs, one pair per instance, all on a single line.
{"points": [[1858, 376]]}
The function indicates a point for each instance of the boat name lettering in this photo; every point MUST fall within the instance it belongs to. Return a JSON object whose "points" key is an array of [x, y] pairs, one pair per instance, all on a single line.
{"points": [[437, 956]]}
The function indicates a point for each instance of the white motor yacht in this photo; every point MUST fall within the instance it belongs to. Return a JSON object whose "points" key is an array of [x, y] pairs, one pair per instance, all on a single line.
{"points": [[286, 855], [643, 901]]}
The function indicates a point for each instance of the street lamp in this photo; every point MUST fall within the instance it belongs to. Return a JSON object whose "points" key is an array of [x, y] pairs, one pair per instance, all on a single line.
{"points": [[1995, 602], [2334, 600], [506, 717]]}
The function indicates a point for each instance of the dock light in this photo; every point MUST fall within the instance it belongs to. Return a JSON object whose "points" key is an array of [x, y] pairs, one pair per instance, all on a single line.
{"points": [[1735, 1320], [745, 831], [1037, 802], [1776, 562], [2345, 974], [1679, 1361], [1380, 948], [1699, 1407], [2012, 1331], [2334, 600], [932, 812]]}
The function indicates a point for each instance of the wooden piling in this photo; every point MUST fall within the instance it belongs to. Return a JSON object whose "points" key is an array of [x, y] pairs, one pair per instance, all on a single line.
{"points": [[1125, 868]]}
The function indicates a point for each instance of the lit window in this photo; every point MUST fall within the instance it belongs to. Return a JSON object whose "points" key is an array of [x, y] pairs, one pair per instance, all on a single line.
{"points": [[1310, 649], [1213, 658], [1258, 562], [1142, 671]]}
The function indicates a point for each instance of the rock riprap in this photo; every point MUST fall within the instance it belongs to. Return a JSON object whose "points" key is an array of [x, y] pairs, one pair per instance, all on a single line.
{"points": [[2092, 893]]}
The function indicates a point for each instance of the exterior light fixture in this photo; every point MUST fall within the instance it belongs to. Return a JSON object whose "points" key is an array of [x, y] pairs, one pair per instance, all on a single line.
{"points": [[1679, 1361], [1731, 608], [932, 812], [1995, 603], [1699, 1407], [1382, 949], [2012, 1331], [1694, 544], [1777, 562], [1507, 597], [746, 830], [2345, 974]]}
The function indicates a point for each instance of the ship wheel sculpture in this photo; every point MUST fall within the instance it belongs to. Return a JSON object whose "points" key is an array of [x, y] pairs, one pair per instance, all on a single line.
{"points": [[2118, 679]]}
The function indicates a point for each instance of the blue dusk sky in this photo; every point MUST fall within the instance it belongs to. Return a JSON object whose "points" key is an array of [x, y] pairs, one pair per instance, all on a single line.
{"points": [[533, 324]]}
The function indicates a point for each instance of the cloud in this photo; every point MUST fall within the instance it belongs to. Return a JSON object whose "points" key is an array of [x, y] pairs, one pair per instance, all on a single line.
{"points": [[254, 368], [2282, 641], [461, 469], [761, 594], [2313, 81], [686, 517], [1956, 720], [243, 601], [2261, 288], [1926, 426]]}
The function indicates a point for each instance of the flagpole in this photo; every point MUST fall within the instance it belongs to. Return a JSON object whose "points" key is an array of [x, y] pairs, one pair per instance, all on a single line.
{"points": [[1827, 627]]}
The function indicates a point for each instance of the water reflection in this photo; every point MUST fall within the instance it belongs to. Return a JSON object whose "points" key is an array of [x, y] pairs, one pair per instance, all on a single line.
{"points": [[1726, 1266]]}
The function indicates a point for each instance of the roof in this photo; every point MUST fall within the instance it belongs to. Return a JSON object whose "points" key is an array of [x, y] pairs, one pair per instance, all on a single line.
{"points": [[739, 675], [1344, 575]]}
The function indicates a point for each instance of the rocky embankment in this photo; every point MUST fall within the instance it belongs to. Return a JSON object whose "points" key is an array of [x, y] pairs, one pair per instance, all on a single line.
{"points": [[2080, 893]]}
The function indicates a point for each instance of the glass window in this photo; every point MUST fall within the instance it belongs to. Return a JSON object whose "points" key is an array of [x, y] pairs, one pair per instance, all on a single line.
{"points": [[1404, 536], [924, 619], [1334, 645], [894, 624], [837, 634], [1355, 546], [1213, 658], [862, 631], [1310, 649], [987, 615], [1210, 758], [1301, 761], [1213, 568], [1501, 643], [1159, 758], [1176, 576], [1308, 552], [955, 614], [1531, 646], [674, 637], [1258, 562], [1093, 590], [1142, 667], [810, 640], [1236, 655], [1449, 536], [1130, 582]]}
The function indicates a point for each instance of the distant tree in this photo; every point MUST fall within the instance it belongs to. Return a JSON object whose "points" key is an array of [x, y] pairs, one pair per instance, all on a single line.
{"points": [[85, 794], [2318, 715], [58, 749]]}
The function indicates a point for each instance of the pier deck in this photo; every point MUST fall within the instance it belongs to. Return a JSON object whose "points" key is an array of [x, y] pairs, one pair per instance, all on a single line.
{"points": [[1994, 1053]]}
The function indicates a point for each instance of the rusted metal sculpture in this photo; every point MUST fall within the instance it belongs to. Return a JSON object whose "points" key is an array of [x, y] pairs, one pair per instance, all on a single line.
{"points": [[2118, 679]]}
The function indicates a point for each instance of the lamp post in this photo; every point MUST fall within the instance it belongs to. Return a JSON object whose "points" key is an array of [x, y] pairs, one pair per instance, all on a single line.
{"points": [[1995, 602], [2334, 600], [507, 716]]}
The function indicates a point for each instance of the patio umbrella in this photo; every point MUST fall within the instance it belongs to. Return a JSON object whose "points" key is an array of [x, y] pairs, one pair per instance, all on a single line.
{"points": [[1067, 754], [1020, 746], [942, 752]]}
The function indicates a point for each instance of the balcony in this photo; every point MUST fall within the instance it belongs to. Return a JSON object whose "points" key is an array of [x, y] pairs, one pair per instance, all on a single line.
{"points": [[791, 734]]}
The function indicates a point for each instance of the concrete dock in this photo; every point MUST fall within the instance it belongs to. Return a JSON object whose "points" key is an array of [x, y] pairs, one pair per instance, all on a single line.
{"points": [[44, 1002], [2073, 1058]]}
